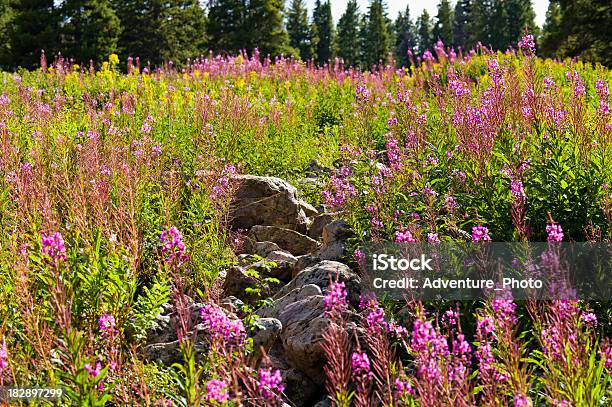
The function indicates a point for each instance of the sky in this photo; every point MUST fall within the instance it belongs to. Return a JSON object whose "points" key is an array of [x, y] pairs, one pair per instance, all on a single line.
{"points": [[416, 8]]}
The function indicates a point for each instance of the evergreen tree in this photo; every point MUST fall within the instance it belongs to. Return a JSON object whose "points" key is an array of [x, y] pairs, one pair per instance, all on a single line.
{"points": [[348, 38], [443, 29], [480, 25], [497, 25], [6, 16], [520, 16], [322, 32], [461, 35], [226, 25], [265, 29], [142, 35], [424, 32], [90, 30], [378, 37], [184, 30], [552, 35], [405, 37], [297, 28], [34, 28]]}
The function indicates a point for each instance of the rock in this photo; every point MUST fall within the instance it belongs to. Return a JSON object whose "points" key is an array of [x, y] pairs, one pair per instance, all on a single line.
{"points": [[336, 230], [236, 283], [315, 170], [304, 261], [263, 248], [320, 274], [267, 201], [279, 304], [318, 223], [287, 239], [304, 324], [284, 264], [326, 402], [299, 389], [266, 332], [232, 304], [335, 236]]}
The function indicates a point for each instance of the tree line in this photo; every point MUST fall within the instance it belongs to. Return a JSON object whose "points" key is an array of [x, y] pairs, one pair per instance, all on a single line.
{"points": [[164, 30]]}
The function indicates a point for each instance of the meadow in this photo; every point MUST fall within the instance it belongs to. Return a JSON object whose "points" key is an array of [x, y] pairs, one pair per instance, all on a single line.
{"points": [[116, 192]]}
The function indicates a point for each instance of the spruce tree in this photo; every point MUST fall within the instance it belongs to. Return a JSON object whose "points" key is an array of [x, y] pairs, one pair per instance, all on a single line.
{"points": [[6, 16], [424, 32], [520, 17], [264, 27], [226, 25], [378, 37], [142, 23], [481, 22], [90, 30], [297, 28], [405, 37], [322, 32], [184, 29], [461, 36], [34, 28], [348, 38], [552, 35], [443, 29]]}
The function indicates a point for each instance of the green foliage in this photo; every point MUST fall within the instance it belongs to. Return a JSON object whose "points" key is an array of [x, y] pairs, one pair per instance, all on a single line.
{"points": [[405, 37], [443, 29], [34, 28], [424, 32], [148, 307], [322, 32], [298, 28], [348, 44]]}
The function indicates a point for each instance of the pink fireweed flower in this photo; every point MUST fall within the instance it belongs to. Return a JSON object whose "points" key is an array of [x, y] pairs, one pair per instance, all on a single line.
{"points": [[403, 388], [107, 326], [516, 188], [433, 238], [589, 318], [480, 233], [53, 248], [359, 256], [602, 87], [95, 370], [216, 390], [485, 326], [335, 298], [555, 233], [403, 236], [527, 44], [521, 400], [505, 310], [221, 327], [360, 364], [222, 185], [549, 82], [173, 247], [606, 355], [3, 356], [270, 383]]}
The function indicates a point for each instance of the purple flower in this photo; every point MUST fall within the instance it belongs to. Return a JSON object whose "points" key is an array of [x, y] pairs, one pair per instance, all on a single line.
{"points": [[606, 355], [173, 247], [549, 82], [527, 44], [107, 325], [53, 249], [220, 326], [480, 233], [433, 238], [216, 390], [270, 383], [403, 388], [3, 356], [93, 371], [403, 236], [360, 364], [335, 298], [590, 318], [555, 233], [516, 188], [359, 256], [521, 400], [485, 326]]}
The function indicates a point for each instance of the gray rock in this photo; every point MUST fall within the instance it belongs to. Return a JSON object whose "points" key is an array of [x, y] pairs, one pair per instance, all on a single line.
{"points": [[304, 261], [267, 201], [335, 235], [299, 389], [320, 275], [263, 248], [318, 223], [326, 402], [232, 304], [236, 283], [287, 239], [279, 304], [336, 230], [266, 332]]}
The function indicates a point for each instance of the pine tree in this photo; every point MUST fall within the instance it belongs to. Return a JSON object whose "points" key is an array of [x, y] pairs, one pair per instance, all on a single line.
{"points": [[443, 29], [424, 33], [297, 28], [226, 25], [348, 41], [184, 30], [142, 23], [34, 28], [90, 30], [405, 37], [378, 37], [264, 27], [552, 35], [520, 16], [322, 32], [481, 22], [6, 16], [461, 36]]}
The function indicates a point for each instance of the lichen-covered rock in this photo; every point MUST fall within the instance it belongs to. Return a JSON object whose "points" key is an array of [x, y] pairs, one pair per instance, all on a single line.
{"points": [[287, 239], [267, 201]]}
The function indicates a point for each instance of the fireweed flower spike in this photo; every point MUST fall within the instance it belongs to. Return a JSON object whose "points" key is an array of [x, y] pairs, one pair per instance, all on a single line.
{"points": [[555, 233], [3, 356], [335, 298], [216, 390], [107, 326], [480, 233], [173, 247], [270, 383], [220, 327], [53, 248]]}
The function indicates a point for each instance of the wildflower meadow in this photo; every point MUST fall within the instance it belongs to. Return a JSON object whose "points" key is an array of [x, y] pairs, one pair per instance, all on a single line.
{"points": [[195, 236]]}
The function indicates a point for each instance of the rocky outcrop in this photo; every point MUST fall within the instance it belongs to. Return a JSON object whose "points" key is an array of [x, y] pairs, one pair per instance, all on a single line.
{"points": [[268, 201], [294, 242]]}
